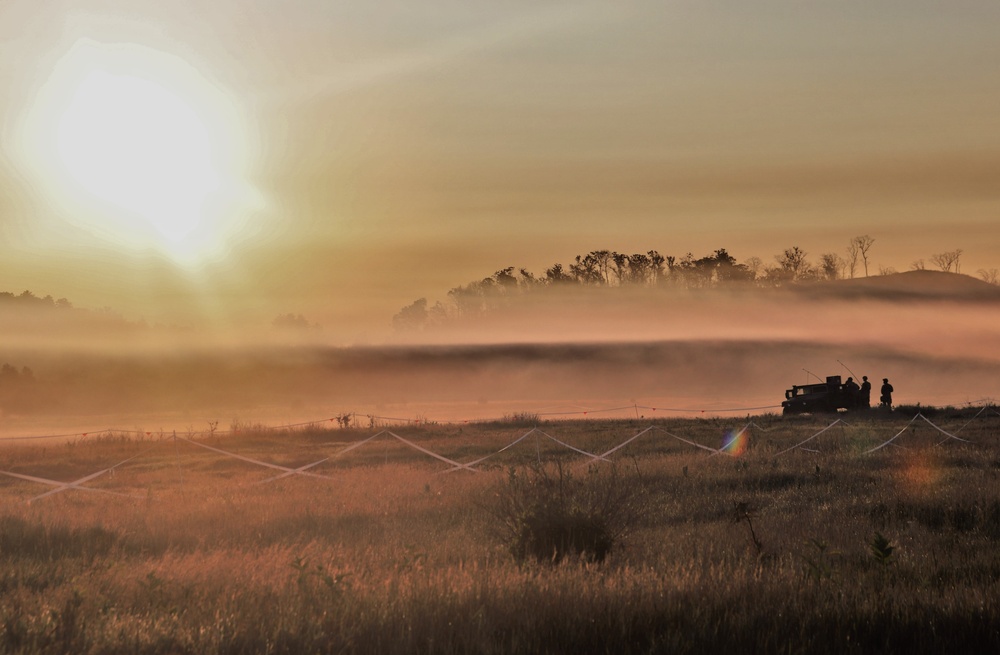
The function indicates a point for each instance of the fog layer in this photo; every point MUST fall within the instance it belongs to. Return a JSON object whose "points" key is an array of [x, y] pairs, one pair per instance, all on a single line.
{"points": [[721, 351]]}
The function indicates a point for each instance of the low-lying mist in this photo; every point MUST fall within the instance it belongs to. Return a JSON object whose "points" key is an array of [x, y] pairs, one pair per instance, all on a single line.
{"points": [[713, 350], [935, 328]]}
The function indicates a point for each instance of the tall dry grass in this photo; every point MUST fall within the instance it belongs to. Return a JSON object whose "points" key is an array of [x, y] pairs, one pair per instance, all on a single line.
{"points": [[393, 555]]}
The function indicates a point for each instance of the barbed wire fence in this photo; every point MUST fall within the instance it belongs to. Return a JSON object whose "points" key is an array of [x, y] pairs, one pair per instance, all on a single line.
{"points": [[733, 445]]}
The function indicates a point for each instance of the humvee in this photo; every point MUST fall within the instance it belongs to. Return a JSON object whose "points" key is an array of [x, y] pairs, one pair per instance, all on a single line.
{"points": [[826, 396]]}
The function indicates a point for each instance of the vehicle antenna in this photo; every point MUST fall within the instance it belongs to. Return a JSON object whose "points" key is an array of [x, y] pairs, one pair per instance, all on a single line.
{"points": [[813, 374], [853, 374]]}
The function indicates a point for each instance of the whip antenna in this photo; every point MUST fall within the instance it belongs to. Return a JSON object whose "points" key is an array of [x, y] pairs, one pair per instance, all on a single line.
{"points": [[853, 374]]}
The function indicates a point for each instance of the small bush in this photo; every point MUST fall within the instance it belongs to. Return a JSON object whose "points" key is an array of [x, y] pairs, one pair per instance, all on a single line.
{"points": [[546, 513], [521, 419]]}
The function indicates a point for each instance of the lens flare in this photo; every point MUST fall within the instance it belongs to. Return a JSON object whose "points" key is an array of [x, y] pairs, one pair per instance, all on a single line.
{"points": [[736, 442], [920, 473]]}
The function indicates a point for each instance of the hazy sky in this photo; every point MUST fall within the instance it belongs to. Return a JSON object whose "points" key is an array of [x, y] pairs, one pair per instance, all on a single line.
{"points": [[358, 155]]}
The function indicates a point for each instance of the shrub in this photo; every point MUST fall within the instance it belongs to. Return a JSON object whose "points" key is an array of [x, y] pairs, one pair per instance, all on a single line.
{"points": [[521, 418], [545, 513]]}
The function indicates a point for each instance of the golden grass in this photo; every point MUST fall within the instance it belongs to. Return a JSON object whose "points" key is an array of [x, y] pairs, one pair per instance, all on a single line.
{"points": [[393, 555]]}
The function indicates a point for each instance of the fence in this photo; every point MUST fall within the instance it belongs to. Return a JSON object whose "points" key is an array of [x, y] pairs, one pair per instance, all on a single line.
{"points": [[734, 445]]}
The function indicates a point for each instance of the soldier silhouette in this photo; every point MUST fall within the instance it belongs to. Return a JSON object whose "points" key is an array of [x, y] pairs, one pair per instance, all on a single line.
{"points": [[851, 390], [865, 395], [886, 398]]}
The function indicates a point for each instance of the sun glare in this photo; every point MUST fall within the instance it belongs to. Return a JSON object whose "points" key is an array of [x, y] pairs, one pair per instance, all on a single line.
{"points": [[134, 144], [137, 147]]}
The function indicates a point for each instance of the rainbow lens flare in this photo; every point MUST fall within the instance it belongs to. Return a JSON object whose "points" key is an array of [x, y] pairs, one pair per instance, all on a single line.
{"points": [[736, 442]]}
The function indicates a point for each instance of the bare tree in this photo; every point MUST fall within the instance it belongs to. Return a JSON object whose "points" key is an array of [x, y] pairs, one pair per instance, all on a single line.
{"points": [[656, 263], [918, 265], [620, 262], [831, 265], [603, 259], [948, 261], [639, 268], [852, 258], [990, 275], [859, 246], [754, 266], [792, 264], [592, 268]]}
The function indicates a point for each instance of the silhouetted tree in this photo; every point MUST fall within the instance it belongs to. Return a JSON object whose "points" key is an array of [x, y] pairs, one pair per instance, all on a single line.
{"points": [[620, 263], [722, 268], [831, 265], [639, 269], [411, 318], [603, 259], [505, 279], [700, 272], [528, 279], [556, 275], [947, 261], [611, 268], [792, 265], [467, 299], [590, 269], [859, 247], [293, 322], [990, 275], [753, 266], [684, 271]]}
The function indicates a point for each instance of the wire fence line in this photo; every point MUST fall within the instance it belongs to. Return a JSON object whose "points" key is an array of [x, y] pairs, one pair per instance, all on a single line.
{"points": [[352, 419], [727, 449]]}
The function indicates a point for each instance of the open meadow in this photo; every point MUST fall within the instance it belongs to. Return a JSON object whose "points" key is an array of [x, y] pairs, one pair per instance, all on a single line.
{"points": [[755, 534], [462, 328]]}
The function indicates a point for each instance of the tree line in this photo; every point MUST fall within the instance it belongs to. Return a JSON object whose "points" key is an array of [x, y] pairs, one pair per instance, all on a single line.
{"points": [[63, 312], [27, 300], [608, 268], [17, 386]]}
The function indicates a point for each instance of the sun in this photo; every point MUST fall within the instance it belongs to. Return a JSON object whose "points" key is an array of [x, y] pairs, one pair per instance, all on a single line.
{"points": [[136, 147]]}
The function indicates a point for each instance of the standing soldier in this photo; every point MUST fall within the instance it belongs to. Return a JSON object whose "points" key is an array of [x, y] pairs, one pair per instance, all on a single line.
{"points": [[851, 390], [886, 399], [865, 395]]}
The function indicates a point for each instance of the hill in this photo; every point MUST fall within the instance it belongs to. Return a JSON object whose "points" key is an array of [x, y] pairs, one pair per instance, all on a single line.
{"points": [[911, 285]]}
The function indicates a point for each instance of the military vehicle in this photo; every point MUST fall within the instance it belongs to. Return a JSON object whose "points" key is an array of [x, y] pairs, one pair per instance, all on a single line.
{"points": [[826, 396]]}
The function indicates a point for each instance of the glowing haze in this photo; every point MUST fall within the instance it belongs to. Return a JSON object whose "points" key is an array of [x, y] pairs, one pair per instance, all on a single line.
{"points": [[222, 164], [269, 158]]}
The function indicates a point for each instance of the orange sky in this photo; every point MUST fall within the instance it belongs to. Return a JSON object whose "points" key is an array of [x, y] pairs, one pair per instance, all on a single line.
{"points": [[394, 150]]}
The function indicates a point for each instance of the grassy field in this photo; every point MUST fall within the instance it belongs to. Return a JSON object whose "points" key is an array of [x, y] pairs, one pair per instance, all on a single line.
{"points": [[821, 549]]}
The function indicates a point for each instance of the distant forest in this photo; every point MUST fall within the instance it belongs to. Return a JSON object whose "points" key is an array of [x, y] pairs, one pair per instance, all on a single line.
{"points": [[17, 390], [105, 317], [607, 268], [63, 308]]}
